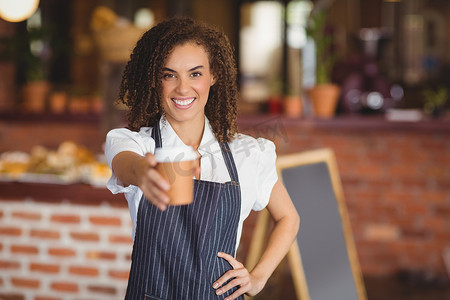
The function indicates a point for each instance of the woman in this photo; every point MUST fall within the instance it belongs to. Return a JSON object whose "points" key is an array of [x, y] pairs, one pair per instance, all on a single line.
{"points": [[180, 87]]}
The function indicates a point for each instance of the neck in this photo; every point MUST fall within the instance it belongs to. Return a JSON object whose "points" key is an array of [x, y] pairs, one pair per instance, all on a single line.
{"points": [[190, 132]]}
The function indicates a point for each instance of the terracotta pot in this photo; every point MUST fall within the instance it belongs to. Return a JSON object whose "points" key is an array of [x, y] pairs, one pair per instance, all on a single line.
{"points": [[293, 106], [79, 105], [35, 95], [97, 104], [58, 102], [275, 104], [324, 99]]}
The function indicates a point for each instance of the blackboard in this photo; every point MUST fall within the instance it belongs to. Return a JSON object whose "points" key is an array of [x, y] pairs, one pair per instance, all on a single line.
{"points": [[323, 260]]}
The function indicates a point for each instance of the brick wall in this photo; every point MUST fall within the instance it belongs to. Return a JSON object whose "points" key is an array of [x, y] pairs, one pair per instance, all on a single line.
{"points": [[396, 180], [63, 250]]}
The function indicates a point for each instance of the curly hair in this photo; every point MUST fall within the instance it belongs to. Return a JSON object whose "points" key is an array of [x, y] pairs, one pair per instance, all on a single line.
{"points": [[141, 88]]}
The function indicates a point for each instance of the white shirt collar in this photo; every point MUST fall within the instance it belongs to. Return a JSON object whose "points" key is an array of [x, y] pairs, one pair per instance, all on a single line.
{"points": [[208, 145]]}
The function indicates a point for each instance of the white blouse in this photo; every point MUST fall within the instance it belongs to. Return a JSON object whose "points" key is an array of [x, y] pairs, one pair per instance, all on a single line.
{"points": [[254, 159]]}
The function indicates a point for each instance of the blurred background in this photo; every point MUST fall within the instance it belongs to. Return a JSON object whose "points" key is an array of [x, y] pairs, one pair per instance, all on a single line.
{"points": [[369, 79]]}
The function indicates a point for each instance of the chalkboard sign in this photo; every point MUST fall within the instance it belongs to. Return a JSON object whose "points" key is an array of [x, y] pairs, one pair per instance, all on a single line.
{"points": [[323, 259]]}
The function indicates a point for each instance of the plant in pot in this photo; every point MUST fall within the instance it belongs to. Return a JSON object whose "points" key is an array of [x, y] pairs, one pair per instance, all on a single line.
{"points": [[325, 94], [434, 100], [293, 106], [30, 51], [33, 60]]}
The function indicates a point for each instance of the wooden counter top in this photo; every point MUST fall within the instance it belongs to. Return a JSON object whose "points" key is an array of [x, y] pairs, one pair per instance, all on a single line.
{"points": [[349, 122], [78, 193]]}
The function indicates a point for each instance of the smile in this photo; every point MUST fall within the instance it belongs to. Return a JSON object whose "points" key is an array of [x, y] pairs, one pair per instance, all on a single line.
{"points": [[182, 103]]}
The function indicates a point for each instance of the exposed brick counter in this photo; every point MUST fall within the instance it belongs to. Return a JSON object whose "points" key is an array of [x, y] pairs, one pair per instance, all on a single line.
{"points": [[63, 241]]}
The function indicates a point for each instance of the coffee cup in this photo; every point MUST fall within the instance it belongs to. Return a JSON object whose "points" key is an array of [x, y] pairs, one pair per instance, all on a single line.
{"points": [[176, 165]]}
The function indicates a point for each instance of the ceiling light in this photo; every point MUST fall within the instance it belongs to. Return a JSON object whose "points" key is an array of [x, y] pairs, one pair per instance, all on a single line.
{"points": [[17, 10]]}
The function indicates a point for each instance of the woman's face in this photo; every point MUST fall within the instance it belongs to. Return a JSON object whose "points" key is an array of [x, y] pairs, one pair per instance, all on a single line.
{"points": [[186, 82]]}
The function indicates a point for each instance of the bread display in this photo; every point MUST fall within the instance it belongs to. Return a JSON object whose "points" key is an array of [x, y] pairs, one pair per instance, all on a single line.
{"points": [[69, 163]]}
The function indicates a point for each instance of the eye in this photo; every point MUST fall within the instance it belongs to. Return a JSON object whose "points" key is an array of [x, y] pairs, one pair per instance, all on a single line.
{"points": [[196, 74], [168, 76]]}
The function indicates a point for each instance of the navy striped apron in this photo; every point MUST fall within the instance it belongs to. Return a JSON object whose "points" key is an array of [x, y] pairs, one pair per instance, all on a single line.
{"points": [[175, 251]]}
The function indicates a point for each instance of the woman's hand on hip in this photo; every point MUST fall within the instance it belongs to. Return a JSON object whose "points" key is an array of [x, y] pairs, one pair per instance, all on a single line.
{"points": [[150, 181], [240, 277]]}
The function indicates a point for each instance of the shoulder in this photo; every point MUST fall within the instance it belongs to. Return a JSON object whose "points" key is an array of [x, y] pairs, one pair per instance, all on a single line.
{"points": [[127, 133], [245, 144], [123, 139], [255, 160]]}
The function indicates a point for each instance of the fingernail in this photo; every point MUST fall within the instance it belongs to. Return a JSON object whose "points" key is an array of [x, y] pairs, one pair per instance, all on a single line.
{"points": [[218, 292], [215, 285]]}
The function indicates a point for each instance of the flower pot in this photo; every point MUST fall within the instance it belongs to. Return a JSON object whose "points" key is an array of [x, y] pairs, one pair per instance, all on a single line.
{"points": [[275, 104], [79, 104], [293, 106], [58, 102], [35, 95], [97, 104], [324, 99]]}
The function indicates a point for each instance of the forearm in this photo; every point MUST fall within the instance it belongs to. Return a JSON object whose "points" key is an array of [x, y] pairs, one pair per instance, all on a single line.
{"points": [[280, 240], [287, 222], [129, 167]]}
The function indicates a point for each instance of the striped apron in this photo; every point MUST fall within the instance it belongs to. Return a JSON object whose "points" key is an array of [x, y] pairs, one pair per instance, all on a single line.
{"points": [[175, 251]]}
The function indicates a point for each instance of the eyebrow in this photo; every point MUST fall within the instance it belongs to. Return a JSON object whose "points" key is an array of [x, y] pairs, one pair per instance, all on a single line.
{"points": [[190, 70]]}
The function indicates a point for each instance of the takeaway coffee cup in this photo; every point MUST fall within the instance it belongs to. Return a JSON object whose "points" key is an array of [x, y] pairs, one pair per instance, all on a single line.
{"points": [[175, 164]]}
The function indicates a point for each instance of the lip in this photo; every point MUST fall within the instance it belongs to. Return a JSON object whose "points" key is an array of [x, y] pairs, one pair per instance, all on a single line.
{"points": [[183, 103]]}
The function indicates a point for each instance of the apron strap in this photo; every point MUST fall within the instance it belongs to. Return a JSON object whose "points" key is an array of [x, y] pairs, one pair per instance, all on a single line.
{"points": [[156, 135], [229, 162], [224, 147]]}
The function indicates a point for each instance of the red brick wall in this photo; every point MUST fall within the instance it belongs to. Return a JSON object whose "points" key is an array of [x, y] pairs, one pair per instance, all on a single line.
{"points": [[396, 180], [62, 250]]}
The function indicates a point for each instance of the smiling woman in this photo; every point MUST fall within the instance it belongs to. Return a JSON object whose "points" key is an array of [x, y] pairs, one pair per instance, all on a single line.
{"points": [[185, 88], [142, 96], [180, 86]]}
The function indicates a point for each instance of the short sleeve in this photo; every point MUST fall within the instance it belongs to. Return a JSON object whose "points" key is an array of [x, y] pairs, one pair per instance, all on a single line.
{"points": [[266, 173], [122, 139]]}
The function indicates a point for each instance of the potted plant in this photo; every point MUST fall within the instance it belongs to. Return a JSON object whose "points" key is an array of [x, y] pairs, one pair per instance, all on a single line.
{"points": [[293, 105], [434, 100], [33, 59], [284, 99], [30, 51], [324, 95]]}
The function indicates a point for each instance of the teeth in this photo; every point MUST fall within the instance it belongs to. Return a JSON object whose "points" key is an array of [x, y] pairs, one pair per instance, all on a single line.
{"points": [[183, 102]]}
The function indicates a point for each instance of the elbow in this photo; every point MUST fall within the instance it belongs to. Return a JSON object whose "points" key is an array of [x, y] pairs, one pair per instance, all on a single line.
{"points": [[293, 223], [296, 223]]}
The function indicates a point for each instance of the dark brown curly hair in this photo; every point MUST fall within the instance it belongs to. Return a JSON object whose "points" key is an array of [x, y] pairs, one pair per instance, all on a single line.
{"points": [[141, 88]]}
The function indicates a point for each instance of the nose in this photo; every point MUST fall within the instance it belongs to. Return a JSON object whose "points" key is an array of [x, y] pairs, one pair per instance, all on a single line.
{"points": [[183, 85]]}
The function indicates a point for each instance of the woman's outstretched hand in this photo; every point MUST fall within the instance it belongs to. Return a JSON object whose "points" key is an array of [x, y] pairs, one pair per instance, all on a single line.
{"points": [[152, 184], [240, 276]]}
